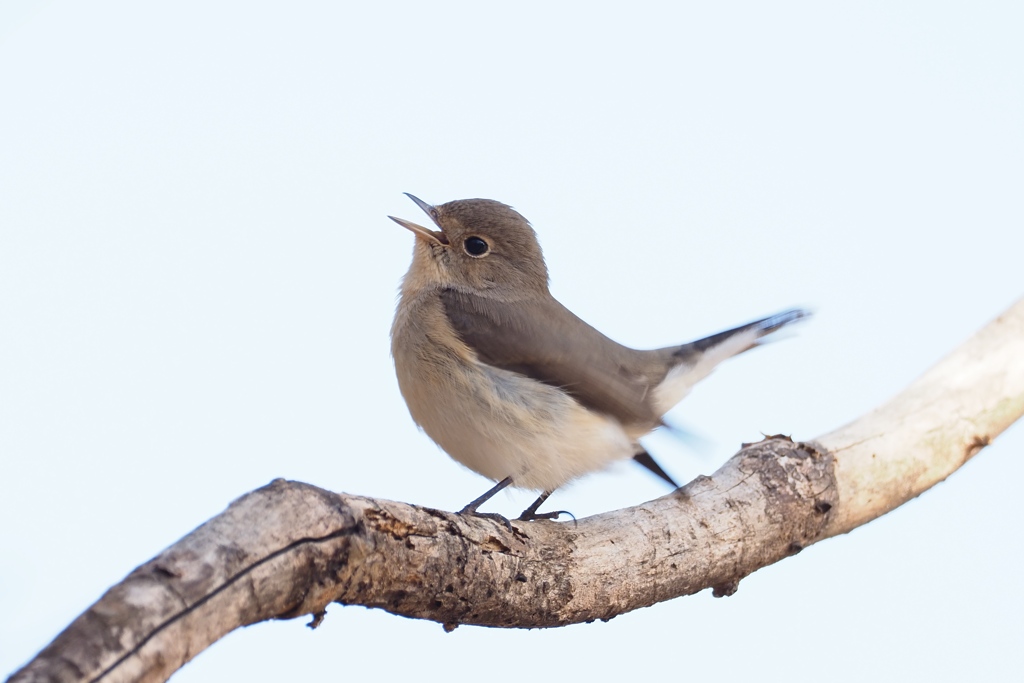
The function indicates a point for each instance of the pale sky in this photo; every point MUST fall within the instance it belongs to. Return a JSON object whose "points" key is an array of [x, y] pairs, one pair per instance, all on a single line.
{"points": [[197, 279]]}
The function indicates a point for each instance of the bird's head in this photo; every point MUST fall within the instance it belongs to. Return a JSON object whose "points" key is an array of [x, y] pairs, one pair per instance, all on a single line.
{"points": [[480, 245]]}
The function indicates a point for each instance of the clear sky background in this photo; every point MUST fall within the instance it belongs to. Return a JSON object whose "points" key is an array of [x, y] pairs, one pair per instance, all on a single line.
{"points": [[197, 280]]}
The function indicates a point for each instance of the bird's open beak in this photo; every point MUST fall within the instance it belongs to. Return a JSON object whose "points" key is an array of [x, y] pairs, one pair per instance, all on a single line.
{"points": [[434, 236]]}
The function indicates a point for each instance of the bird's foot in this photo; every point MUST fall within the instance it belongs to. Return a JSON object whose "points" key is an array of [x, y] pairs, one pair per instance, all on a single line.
{"points": [[533, 515], [471, 510]]}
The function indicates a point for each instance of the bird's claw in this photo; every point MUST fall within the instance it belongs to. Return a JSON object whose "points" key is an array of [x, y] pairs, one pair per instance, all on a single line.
{"points": [[529, 516], [469, 510]]}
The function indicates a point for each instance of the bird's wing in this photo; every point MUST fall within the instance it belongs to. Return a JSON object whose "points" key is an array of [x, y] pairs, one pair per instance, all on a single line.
{"points": [[543, 340]]}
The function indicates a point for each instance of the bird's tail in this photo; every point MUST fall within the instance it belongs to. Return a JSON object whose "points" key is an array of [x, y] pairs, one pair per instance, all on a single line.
{"points": [[694, 361], [754, 331]]}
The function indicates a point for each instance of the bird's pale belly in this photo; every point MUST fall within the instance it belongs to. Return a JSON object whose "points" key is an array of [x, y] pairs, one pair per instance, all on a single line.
{"points": [[499, 424]]}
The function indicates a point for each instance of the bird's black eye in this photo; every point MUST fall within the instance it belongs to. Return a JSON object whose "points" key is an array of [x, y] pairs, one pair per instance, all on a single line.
{"points": [[475, 246]]}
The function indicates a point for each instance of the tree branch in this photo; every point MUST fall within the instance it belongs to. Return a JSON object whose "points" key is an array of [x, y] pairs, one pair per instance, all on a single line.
{"points": [[289, 549]]}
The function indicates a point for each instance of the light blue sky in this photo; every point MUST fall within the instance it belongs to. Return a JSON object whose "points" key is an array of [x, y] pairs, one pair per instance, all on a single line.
{"points": [[197, 280]]}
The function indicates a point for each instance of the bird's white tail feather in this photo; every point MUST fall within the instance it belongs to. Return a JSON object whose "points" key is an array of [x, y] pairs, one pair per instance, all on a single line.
{"points": [[698, 364], [681, 379]]}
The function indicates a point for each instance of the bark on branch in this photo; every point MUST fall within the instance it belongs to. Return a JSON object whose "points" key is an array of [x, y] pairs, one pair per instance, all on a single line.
{"points": [[289, 549]]}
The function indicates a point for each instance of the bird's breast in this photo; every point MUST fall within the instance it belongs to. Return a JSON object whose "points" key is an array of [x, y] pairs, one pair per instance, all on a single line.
{"points": [[496, 422]]}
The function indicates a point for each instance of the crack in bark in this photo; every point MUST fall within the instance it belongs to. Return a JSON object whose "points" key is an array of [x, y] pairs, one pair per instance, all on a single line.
{"points": [[246, 572]]}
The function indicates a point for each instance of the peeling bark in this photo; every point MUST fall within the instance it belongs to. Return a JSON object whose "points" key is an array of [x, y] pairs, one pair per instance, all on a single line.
{"points": [[289, 549]]}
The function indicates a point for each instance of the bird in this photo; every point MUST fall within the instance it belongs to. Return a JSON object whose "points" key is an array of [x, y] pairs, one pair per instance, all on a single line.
{"points": [[508, 381]]}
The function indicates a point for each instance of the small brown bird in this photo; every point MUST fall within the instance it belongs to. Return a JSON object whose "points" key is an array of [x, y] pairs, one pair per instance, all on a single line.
{"points": [[507, 380]]}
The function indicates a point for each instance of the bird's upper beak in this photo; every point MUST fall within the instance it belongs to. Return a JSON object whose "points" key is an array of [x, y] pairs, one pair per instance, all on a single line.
{"points": [[433, 236]]}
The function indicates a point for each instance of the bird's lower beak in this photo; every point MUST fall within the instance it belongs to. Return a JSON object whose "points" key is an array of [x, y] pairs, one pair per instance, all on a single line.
{"points": [[431, 236], [434, 236]]}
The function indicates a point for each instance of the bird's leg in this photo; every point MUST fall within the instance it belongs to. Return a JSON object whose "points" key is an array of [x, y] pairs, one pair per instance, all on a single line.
{"points": [[530, 513], [471, 508], [644, 458]]}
